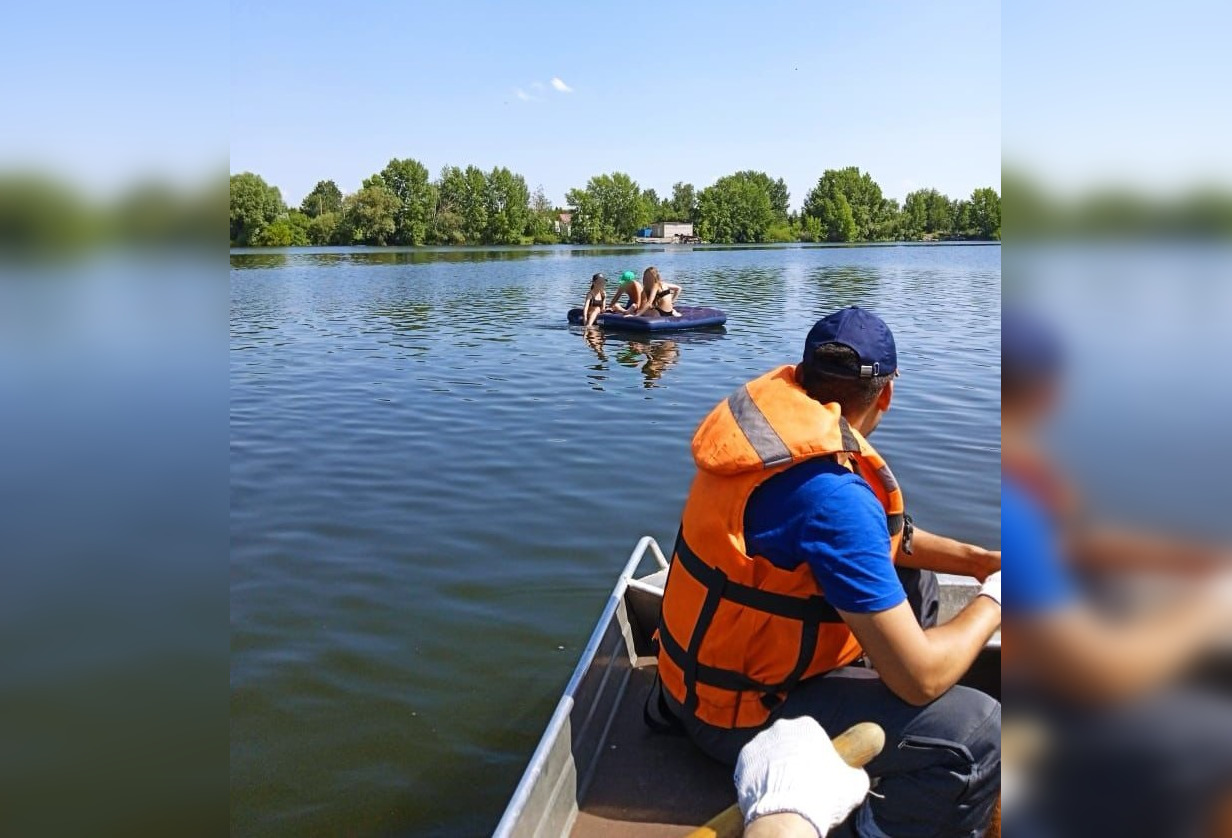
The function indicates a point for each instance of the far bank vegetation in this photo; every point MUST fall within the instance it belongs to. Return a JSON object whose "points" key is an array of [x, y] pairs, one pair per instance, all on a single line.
{"points": [[403, 205]]}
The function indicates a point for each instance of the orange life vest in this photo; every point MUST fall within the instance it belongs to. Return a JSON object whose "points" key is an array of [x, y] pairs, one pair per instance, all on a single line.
{"points": [[737, 633]]}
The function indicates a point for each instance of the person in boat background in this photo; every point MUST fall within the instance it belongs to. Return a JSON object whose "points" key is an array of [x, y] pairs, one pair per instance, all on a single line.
{"points": [[658, 297], [592, 306], [795, 561], [1119, 747], [629, 288]]}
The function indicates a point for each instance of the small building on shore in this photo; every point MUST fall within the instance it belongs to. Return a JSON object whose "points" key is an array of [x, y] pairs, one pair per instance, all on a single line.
{"points": [[563, 223], [671, 230]]}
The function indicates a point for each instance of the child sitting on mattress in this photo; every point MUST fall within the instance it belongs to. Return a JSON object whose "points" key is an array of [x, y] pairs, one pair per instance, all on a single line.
{"points": [[593, 306], [629, 287], [658, 297]]}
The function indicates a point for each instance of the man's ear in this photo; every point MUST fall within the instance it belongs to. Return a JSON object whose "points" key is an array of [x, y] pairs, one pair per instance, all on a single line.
{"points": [[885, 396]]}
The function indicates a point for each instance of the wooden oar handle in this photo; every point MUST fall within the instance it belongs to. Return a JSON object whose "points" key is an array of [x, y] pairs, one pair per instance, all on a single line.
{"points": [[857, 746]]}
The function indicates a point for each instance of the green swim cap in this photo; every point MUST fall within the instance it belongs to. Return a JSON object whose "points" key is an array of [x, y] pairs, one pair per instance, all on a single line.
{"points": [[628, 276]]}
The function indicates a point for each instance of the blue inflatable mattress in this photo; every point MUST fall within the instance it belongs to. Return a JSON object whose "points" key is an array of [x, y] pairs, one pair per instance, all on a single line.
{"points": [[691, 317]]}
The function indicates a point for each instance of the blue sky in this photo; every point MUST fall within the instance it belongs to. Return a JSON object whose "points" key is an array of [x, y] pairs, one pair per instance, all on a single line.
{"points": [[1114, 92], [909, 91], [913, 92], [104, 93]]}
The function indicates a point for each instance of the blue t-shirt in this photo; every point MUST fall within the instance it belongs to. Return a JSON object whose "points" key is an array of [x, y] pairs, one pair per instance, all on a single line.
{"points": [[1035, 579], [821, 513]]}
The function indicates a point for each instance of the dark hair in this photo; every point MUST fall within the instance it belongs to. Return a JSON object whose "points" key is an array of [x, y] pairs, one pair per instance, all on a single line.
{"points": [[1020, 386], [833, 375], [1032, 354]]}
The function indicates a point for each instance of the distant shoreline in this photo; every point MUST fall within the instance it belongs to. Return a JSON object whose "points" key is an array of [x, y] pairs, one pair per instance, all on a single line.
{"points": [[403, 205], [630, 246]]}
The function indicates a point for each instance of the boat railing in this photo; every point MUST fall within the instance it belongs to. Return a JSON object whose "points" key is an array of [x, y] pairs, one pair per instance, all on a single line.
{"points": [[557, 730], [564, 763]]}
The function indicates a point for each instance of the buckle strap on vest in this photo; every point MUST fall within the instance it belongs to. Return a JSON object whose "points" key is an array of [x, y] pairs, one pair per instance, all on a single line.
{"points": [[716, 584], [895, 524], [732, 680], [811, 613], [808, 645], [908, 527], [810, 609], [712, 676]]}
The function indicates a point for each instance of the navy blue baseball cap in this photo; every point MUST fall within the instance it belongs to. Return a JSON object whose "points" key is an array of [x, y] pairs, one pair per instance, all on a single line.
{"points": [[1031, 347], [861, 331]]}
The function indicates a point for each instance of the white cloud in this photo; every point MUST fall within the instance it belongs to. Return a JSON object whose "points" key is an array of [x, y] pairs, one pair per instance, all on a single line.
{"points": [[522, 94]]}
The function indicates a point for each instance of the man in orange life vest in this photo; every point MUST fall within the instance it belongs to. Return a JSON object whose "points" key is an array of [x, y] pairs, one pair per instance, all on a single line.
{"points": [[795, 560]]}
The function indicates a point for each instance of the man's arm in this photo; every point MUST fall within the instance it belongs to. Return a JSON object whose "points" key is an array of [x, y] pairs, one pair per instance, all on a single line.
{"points": [[1085, 657], [1119, 548], [781, 825], [847, 546], [945, 555], [917, 664], [1076, 650]]}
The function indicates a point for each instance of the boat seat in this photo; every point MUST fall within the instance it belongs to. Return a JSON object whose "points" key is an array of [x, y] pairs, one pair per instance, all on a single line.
{"points": [[647, 783]]}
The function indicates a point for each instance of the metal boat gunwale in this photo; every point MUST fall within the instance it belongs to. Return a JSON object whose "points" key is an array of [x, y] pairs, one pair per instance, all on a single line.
{"points": [[563, 707], [579, 780]]}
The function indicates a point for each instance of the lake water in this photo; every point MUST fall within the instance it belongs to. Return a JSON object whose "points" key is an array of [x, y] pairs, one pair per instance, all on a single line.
{"points": [[435, 481]]}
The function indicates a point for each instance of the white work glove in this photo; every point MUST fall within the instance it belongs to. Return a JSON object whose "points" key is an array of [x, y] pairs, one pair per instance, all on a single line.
{"points": [[792, 767], [992, 587]]}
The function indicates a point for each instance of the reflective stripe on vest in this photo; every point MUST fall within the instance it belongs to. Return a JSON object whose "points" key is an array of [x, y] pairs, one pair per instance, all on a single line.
{"points": [[774, 452]]}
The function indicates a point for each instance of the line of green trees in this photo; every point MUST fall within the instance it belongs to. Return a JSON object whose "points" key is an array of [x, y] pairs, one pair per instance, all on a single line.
{"points": [[402, 205], [1116, 211], [846, 205]]}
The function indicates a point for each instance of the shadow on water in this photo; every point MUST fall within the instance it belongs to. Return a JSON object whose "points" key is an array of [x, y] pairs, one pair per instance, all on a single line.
{"points": [[260, 259], [456, 314], [842, 286], [720, 248], [659, 355], [250, 258], [751, 290], [405, 316], [651, 355]]}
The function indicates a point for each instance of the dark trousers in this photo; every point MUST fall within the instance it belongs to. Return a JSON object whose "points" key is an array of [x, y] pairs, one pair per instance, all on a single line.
{"points": [[1154, 766], [940, 771]]}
